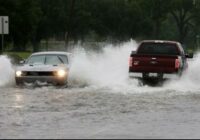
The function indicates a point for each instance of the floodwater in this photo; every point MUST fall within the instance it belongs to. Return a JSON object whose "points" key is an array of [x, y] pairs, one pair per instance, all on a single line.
{"points": [[101, 101]]}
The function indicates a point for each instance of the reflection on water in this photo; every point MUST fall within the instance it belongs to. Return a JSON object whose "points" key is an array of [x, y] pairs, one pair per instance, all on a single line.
{"points": [[90, 112], [18, 99]]}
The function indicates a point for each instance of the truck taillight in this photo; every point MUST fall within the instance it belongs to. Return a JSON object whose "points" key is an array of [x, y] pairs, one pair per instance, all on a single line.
{"points": [[130, 62], [177, 64]]}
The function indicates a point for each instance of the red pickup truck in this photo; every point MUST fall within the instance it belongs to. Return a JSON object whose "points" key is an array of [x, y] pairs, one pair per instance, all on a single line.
{"points": [[158, 59]]}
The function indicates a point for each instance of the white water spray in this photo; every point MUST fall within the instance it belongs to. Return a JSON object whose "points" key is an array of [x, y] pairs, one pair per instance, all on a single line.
{"points": [[6, 71], [109, 69], [190, 81]]}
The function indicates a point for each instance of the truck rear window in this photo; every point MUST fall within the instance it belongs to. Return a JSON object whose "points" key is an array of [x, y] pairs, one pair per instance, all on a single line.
{"points": [[158, 48]]}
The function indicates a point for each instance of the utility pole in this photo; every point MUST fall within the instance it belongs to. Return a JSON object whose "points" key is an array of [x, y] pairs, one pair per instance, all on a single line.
{"points": [[2, 35], [3, 30]]}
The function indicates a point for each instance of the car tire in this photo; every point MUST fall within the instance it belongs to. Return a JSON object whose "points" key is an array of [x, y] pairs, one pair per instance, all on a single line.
{"points": [[18, 82], [62, 85]]}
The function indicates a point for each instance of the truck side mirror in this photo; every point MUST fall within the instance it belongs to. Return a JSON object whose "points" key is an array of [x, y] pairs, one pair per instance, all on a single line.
{"points": [[189, 55]]}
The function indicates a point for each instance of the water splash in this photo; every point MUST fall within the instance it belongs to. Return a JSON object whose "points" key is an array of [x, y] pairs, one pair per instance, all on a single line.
{"points": [[190, 81], [106, 68], [6, 71], [109, 69]]}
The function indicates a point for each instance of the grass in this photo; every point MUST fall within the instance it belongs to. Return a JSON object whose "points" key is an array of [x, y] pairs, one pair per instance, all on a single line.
{"points": [[23, 55], [16, 57]]}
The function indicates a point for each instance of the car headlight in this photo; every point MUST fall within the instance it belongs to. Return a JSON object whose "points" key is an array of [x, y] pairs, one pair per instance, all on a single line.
{"points": [[18, 73], [61, 73]]}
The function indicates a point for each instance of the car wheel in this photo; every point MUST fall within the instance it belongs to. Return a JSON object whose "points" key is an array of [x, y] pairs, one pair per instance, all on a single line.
{"points": [[62, 85], [18, 82]]}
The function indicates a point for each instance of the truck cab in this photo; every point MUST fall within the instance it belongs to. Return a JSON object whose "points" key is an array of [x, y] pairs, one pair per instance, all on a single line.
{"points": [[158, 59]]}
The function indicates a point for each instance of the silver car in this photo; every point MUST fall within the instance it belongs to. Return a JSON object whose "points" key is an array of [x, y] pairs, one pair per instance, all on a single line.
{"points": [[44, 68]]}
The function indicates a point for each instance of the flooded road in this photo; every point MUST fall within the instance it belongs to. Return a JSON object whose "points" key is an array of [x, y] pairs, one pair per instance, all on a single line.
{"points": [[96, 113], [101, 102]]}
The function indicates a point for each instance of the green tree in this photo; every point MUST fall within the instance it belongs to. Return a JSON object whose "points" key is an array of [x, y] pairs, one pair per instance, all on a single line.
{"points": [[157, 11], [182, 11], [24, 20]]}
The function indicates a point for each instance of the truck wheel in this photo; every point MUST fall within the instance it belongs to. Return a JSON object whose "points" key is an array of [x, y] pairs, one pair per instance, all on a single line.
{"points": [[140, 83], [160, 76], [144, 75]]}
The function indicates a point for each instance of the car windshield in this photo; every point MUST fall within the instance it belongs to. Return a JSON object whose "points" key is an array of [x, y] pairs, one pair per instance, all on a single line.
{"points": [[47, 60], [158, 48]]}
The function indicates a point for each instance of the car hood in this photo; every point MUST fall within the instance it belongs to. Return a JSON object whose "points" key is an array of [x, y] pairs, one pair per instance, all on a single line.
{"points": [[41, 67]]}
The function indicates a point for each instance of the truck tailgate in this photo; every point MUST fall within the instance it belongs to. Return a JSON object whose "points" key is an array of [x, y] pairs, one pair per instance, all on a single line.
{"points": [[153, 63]]}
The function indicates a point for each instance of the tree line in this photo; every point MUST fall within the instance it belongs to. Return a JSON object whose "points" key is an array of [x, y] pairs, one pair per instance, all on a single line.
{"points": [[31, 21]]}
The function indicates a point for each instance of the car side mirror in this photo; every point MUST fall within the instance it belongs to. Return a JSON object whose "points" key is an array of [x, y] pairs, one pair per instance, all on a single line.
{"points": [[189, 55], [22, 62]]}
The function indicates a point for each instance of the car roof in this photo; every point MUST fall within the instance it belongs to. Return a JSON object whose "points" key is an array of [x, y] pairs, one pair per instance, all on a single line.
{"points": [[52, 52], [160, 41]]}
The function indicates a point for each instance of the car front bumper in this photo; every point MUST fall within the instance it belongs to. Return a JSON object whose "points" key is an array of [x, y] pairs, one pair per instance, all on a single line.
{"points": [[48, 79]]}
